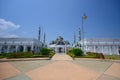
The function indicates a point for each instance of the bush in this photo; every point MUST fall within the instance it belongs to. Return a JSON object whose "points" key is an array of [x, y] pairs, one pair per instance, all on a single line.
{"points": [[75, 52], [92, 55], [51, 55], [45, 51], [112, 57], [19, 55]]}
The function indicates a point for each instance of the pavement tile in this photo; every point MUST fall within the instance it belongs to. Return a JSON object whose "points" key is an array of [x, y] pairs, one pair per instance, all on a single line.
{"points": [[63, 70], [7, 70], [62, 56], [99, 66], [25, 66], [107, 77], [19, 77], [114, 70]]}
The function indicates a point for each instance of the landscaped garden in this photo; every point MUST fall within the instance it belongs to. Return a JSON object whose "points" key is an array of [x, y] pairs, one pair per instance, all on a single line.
{"points": [[44, 52], [78, 53]]}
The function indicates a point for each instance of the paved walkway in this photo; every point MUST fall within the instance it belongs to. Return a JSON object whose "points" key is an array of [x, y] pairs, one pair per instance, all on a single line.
{"points": [[61, 56], [60, 70]]}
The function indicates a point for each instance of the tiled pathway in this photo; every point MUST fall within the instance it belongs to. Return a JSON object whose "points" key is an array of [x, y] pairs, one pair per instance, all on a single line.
{"points": [[60, 70], [61, 56]]}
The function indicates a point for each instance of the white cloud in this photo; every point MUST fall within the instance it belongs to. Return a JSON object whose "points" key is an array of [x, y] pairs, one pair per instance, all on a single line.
{"points": [[8, 36], [4, 25]]}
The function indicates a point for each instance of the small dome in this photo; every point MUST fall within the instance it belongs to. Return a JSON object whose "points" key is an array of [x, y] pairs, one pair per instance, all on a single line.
{"points": [[60, 43], [52, 42], [67, 42], [59, 38]]}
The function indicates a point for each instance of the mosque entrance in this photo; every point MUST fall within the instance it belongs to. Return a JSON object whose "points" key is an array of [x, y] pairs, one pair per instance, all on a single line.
{"points": [[60, 50]]}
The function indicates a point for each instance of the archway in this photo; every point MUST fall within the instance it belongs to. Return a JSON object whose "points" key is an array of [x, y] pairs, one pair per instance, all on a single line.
{"points": [[12, 48], [59, 49], [28, 48], [21, 48]]}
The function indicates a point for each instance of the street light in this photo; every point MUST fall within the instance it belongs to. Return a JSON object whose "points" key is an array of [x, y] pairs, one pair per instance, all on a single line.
{"points": [[83, 18]]}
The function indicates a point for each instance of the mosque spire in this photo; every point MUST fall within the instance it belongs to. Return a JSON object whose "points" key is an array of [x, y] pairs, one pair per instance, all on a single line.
{"points": [[79, 34], [74, 38], [39, 33], [44, 38]]}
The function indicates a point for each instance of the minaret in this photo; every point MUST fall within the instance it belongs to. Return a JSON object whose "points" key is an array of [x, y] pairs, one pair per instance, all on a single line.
{"points": [[79, 34], [44, 38], [39, 33], [74, 38]]}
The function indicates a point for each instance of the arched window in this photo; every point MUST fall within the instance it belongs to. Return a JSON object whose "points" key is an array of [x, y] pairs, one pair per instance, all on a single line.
{"points": [[60, 43]]}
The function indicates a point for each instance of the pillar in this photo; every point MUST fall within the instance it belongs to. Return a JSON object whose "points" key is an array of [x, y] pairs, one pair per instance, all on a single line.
{"points": [[24, 48], [8, 49], [0, 49], [110, 50], [55, 48], [117, 50], [94, 48], [65, 49], [16, 48], [102, 49]]}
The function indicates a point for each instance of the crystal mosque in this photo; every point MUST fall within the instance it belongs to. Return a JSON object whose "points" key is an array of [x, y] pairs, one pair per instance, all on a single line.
{"points": [[108, 46], [60, 45]]}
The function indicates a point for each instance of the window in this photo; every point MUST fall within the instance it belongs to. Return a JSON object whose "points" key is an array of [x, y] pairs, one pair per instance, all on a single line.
{"points": [[60, 43]]}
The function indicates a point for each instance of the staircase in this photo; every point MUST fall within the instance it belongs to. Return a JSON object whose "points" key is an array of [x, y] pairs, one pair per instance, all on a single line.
{"points": [[62, 56]]}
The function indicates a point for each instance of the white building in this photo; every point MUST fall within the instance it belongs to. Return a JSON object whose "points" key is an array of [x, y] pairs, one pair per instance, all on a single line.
{"points": [[107, 46], [8, 45], [60, 45]]}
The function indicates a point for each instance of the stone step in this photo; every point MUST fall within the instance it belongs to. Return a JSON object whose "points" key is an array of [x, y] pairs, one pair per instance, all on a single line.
{"points": [[61, 57]]}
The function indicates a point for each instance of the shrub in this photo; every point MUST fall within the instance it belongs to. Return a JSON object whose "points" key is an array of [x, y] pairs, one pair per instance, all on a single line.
{"points": [[92, 55], [45, 51], [51, 55], [19, 55], [75, 52]]}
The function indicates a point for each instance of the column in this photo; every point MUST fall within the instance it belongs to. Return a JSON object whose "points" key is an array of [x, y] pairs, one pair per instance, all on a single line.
{"points": [[16, 48], [65, 49], [117, 50], [102, 49], [94, 48], [55, 48], [110, 50], [0, 49], [24, 48], [31, 47], [8, 49]]}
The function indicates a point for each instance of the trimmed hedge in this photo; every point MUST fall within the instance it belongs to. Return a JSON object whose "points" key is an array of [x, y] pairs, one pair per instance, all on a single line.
{"points": [[75, 52], [92, 55], [45, 52]]}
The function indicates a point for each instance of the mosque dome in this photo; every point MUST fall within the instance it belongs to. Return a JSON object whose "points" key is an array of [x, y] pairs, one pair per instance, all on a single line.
{"points": [[59, 38], [59, 41]]}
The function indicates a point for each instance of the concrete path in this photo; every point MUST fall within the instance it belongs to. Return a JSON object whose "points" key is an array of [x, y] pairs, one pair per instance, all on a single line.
{"points": [[63, 70], [7, 70], [61, 56], [60, 70]]}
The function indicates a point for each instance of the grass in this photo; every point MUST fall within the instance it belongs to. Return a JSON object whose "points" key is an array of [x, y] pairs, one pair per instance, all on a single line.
{"points": [[115, 57], [25, 55]]}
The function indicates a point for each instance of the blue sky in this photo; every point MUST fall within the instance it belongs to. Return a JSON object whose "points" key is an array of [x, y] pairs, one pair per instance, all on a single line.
{"points": [[21, 18]]}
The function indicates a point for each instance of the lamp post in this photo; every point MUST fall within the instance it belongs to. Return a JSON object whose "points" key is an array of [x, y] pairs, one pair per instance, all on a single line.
{"points": [[83, 18]]}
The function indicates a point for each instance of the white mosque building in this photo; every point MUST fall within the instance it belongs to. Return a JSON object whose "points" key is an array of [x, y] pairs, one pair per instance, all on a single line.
{"points": [[107, 46], [59, 45], [9, 45]]}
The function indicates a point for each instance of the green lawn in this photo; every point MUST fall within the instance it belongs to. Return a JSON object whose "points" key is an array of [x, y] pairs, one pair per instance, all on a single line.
{"points": [[112, 57]]}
